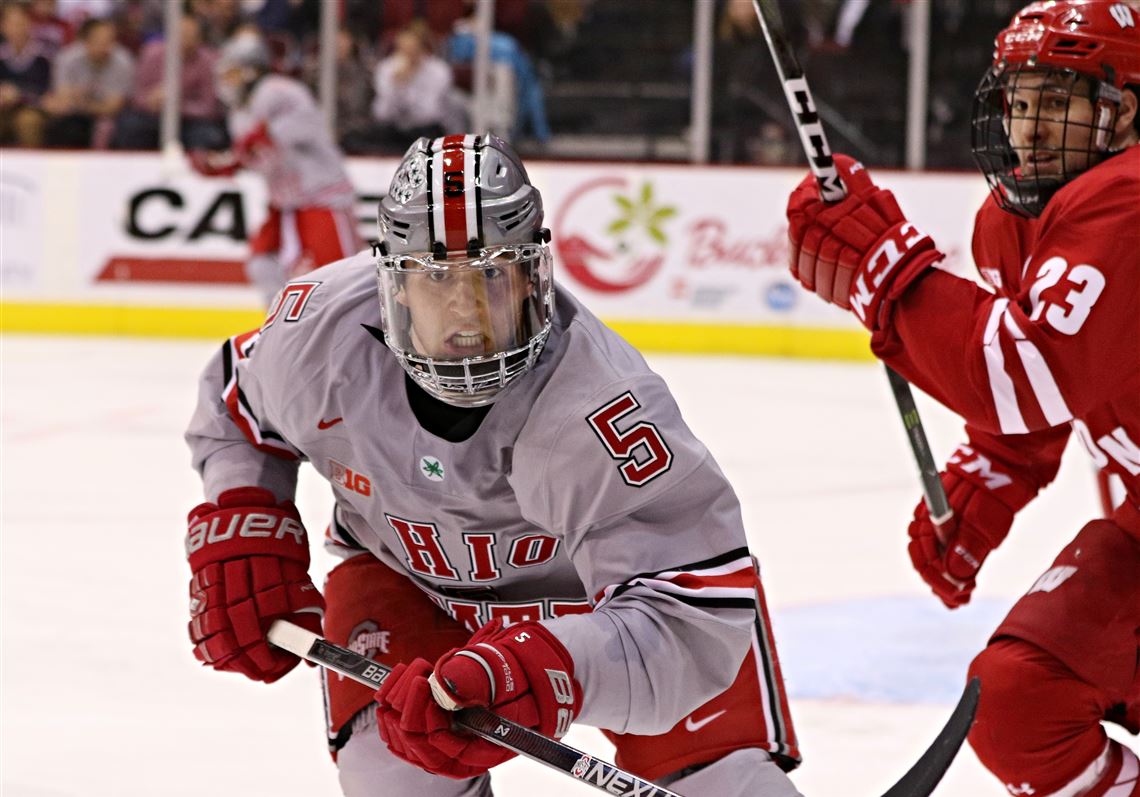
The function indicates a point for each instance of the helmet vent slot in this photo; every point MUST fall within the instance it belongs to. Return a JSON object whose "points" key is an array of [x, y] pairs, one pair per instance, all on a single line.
{"points": [[516, 217], [1074, 47]]}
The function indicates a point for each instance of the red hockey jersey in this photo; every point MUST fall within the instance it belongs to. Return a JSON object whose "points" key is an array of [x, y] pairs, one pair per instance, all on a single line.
{"points": [[1059, 342]]}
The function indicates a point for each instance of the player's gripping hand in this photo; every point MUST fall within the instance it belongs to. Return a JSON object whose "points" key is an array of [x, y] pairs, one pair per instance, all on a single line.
{"points": [[948, 557], [859, 253], [522, 673], [253, 143], [214, 163], [249, 556]]}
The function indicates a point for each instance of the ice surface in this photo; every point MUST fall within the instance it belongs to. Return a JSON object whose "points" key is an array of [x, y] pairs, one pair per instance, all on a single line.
{"points": [[101, 697]]}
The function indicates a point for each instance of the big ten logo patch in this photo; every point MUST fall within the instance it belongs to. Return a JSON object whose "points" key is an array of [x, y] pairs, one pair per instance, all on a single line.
{"points": [[349, 479]]}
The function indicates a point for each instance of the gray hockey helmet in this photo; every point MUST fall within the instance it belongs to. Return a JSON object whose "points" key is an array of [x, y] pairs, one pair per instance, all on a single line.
{"points": [[464, 270], [245, 54]]}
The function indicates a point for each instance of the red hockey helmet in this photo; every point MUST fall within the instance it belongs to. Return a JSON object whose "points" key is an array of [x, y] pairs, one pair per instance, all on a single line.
{"points": [[1051, 52], [1097, 38]]}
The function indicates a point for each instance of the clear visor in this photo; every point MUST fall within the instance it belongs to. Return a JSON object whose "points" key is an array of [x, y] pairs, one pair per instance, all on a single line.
{"points": [[466, 308]]}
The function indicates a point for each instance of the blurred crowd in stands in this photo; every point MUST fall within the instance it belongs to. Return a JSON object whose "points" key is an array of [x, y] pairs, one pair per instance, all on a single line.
{"points": [[570, 78], [89, 73]]}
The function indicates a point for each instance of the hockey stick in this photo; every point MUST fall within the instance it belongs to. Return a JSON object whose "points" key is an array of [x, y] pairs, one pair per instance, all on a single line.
{"points": [[831, 188], [919, 780], [479, 721]]}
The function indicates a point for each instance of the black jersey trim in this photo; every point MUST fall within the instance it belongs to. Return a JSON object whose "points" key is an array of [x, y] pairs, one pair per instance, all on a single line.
{"points": [[703, 564]]}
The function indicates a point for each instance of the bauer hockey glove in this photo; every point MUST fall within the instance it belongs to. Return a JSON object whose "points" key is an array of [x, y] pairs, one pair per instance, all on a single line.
{"points": [[859, 253], [249, 556], [985, 495], [522, 673]]}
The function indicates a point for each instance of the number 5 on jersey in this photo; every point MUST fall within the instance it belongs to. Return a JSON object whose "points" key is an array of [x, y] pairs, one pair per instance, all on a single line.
{"points": [[640, 449]]}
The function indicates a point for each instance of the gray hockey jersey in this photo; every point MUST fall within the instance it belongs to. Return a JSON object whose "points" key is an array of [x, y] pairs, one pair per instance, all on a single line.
{"points": [[304, 167], [582, 501]]}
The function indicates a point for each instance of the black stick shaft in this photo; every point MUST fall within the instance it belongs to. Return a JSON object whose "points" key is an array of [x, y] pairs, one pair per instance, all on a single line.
{"points": [[479, 721], [921, 779], [831, 188]]}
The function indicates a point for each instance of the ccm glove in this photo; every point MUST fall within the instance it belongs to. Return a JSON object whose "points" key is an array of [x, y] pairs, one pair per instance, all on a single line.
{"points": [[249, 556], [984, 499], [522, 673], [859, 253]]}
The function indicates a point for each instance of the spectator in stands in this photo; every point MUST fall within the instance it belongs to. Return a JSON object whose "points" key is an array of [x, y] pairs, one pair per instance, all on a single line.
{"points": [[297, 19], [353, 94], [220, 18], [137, 21], [201, 126], [523, 110], [49, 30], [76, 12], [25, 75], [413, 91], [747, 97], [91, 83]]}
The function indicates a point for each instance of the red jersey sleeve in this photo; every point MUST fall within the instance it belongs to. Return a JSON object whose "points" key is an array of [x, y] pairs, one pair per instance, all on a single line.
{"points": [[1034, 457], [1057, 346]]}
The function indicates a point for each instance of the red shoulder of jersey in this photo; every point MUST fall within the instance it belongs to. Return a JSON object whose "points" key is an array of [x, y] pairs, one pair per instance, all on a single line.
{"points": [[1089, 213], [1001, 243], [1120, 173], [1061, 340]]}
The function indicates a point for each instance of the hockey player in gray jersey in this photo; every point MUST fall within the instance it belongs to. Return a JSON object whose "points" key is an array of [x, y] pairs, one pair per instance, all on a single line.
{"points": [[503, 464], [279, 132]]}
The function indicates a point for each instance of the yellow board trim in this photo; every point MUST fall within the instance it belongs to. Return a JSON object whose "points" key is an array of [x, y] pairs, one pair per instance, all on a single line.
{"points": [[193, 322], [150, 322], [779, 341]]}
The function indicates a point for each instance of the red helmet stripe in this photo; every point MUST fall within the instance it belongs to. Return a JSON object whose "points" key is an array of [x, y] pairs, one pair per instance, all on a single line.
{"points": [[454, 178]]}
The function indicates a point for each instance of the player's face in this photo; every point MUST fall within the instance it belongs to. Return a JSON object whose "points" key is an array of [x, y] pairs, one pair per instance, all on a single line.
{"points": [[231, 79], [465, 313], [1050, 124]]}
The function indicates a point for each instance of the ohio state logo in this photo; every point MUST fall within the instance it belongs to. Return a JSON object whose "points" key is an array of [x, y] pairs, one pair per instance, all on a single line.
{"points": [[610, 236], [369, 640]]}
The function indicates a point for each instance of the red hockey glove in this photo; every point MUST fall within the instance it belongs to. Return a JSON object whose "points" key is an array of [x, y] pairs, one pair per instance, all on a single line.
{"points": [[253, 143], [522, 673], [214, 163], [984, 499], [250, 560], [860, 253]]}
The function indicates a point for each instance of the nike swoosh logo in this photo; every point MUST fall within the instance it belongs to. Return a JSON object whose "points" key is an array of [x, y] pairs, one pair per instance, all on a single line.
{"points": [[693, 727], [322, 425]]}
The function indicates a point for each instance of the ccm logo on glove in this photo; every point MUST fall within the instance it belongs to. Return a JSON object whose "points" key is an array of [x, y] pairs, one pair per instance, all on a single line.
{"points": [[243, 524], [898, 242]]}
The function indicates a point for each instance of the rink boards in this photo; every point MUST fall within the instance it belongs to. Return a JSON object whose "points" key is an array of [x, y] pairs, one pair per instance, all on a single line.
{"points": [[678, 258]]}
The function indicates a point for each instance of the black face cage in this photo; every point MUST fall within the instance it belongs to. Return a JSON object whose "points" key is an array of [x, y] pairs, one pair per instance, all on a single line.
{"points": [[1025, 192]]}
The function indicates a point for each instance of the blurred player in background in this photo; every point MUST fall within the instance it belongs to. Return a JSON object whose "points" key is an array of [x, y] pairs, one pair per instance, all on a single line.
{"points": [[1055, 348], [279, 132], [502, 464]]}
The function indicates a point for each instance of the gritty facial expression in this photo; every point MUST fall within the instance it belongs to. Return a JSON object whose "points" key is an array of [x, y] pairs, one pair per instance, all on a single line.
{"points": [[465, 313], [1050, 123]]}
